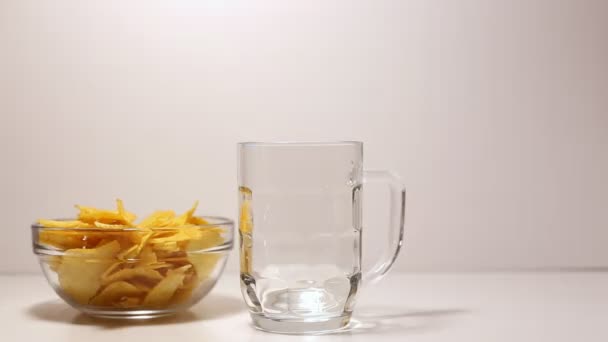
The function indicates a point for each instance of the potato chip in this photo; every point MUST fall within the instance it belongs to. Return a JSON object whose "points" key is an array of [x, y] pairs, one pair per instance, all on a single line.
{"points": [[191, 282], [53, 261], [115, 292], [185, 217], [142, 285], [127, 217], [125, 253], [246, 219], [207, 236], [63, 239], [142, 243], [178, 236], [164, 290], [135, 235], [159, 265], [63, 224], [199, 221], [161, 262], [204, 239], [113, 268], [158, 219], [81, 269], [203, 264], [166, 249], [128, 302], [90, 215], [120, 216], [147, 257], [130, 273], [182, 295], [99, 224]]}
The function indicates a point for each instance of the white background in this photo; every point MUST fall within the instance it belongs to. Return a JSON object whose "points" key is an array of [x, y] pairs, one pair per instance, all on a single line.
{"points": [[495, 113]]}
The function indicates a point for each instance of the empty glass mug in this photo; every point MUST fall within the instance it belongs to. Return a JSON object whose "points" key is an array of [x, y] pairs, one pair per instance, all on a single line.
{"points": [[300, 232]]}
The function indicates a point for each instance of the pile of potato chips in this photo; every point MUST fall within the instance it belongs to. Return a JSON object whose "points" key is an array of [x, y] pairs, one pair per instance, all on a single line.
{"points": [[154, 264]]}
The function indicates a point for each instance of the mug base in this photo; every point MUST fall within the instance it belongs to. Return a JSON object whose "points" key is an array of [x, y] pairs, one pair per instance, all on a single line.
{"points": [[300, 326]]}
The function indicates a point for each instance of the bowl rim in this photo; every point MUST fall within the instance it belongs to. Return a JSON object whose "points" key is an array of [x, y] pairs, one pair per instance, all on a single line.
{"points": [[218, 221]]}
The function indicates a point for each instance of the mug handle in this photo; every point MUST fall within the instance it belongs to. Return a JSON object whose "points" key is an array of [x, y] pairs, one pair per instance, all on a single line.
{"points": [[396, 223]]}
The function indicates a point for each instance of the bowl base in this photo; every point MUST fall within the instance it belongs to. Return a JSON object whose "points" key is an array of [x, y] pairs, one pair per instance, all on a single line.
{"points": [[128, 314]]}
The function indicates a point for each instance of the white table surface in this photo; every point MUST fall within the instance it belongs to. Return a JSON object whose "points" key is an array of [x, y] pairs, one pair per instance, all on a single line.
{"points": [[403, 307]]}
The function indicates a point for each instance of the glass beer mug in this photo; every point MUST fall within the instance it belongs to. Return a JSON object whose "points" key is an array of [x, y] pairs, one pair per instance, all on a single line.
{"points": [[300, 232]]}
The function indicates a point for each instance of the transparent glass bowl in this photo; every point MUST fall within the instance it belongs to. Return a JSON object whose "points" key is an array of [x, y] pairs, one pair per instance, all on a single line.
{"points": [[131, 273]]}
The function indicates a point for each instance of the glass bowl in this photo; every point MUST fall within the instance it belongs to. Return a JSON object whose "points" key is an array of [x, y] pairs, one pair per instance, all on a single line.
{"points": [[133, 273]]}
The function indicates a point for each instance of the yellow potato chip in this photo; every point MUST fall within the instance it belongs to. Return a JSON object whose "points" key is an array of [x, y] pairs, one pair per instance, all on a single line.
{"points": [[167, 248], [53, 261], [68, 239], [161, 262], [147, 257], [130, 273], [147, 284], [128, 238], [161, 294], [128, 302], [205, 239], [108, 225], [178, 236], [182, 296], [246, 219], [127, 217], [113, 268], [141, 285], [190, 281], [158, 219], [90, 215], [185, 217], [204, 264], [142, 243], [159, 265], [191, 233], [63, 224], [114, 292], [127, 252], [120, 216], [184, 293], [199, 221], [81, 269], [245, 228]]}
